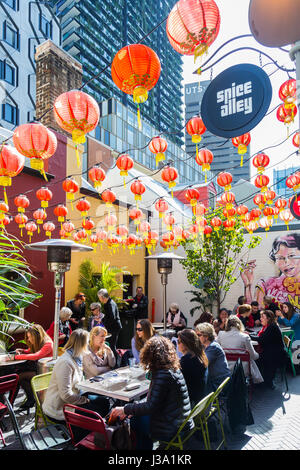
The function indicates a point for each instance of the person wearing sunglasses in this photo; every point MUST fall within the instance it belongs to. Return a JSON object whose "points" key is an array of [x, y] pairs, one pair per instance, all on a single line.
{"points": [[96, 317], [144, 331]]}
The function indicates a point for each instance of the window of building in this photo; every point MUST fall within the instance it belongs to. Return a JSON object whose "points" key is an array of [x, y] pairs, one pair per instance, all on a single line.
{"points": [[45, 26], [106, 137], [11, 3], [7, 72], [10, 113], [10, 35]]}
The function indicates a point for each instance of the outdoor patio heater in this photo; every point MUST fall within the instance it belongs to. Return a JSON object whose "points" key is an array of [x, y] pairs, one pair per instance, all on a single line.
{"points": [[59, 261], [164, 267]]}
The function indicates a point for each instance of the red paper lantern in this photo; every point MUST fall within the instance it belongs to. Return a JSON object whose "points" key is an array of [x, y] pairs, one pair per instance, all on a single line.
{"points": [[287, 93], [259, 200], [224, 180], [3, 209], [94, 240], [83, 206], [135, 214], [108, 197], [242, 210], [61, 212], [102, 237], [49, 227], [266, 223], [97, 175], [39, 215], [135, 70], [177, 230], [169, 174], [207, 231], [260, 161], [204, 158], [195, 128], [252, 226], [268, 212], [44, 195], [88, 224], [81, 235], [216, 222], [192, 195], [110, 221], [124, 163], [122, 231], [270, 196], [286, 216], [22, 202], [192, 26], [131, 243], [293, 182], [137, 188], [11, 164], [68, 227], [21, 220], [7, 220], [242, 142], [158, 146], [262, 181], [31, 227], [280, 204], [145, 228], [36, 142], [161, 206], [296, 140], [199, 210], [286, 115], [77, 113], [70, 186], [229, 224], [169, 220], [255, 214], [228, 199], [229, 213]]}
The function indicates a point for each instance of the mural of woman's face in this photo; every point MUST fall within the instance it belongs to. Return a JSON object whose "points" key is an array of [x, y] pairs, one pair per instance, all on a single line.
{"points": [[287, 262]]}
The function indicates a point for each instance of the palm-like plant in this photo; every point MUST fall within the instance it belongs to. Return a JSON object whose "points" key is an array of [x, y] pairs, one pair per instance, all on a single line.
{"points": [[92, 279], [203, 301], [15, 278]]}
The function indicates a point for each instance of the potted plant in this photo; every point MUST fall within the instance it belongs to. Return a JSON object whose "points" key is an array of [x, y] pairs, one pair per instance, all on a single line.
{"points": [[15, 292]]}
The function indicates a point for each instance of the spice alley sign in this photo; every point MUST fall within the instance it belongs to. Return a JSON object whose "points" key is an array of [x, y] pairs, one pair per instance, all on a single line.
{"points": [[236, 100]]}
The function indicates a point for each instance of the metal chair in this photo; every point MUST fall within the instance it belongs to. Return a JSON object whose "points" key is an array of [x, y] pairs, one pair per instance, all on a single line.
{"points": [[54, 436], [244, 355], [8, 384], [288, 338], [40, 383], [88, 420]]}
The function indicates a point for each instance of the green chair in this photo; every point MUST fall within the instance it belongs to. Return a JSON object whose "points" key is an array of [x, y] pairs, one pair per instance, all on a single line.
{"points": [[288, 340], [201, 414], [214, 408], [177, 441], [40, 383]]}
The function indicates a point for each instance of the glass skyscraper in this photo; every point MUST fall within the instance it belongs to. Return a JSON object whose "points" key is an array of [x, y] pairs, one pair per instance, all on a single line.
{"points": [[94, 30]]}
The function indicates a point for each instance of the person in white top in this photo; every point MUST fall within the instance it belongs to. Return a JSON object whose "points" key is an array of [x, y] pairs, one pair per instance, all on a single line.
{"points": [[100, 357], [234, 338]]}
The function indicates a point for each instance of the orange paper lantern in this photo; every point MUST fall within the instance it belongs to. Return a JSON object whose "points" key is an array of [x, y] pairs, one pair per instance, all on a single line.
{"points": [[242, 142], [158, 146], [11, 164]]}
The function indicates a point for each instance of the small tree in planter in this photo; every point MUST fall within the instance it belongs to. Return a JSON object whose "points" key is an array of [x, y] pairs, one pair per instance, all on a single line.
{"points": [[213, 263], [15, 294], [92, 279]]}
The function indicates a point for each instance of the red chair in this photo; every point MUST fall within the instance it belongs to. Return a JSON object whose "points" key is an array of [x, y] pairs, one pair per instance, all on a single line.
{"points": [[76, 416], [8, 384], [244, 355]]}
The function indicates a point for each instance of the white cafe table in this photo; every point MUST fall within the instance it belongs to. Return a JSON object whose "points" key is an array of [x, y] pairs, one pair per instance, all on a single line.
{"points": [[128, 374], [4, 362]]}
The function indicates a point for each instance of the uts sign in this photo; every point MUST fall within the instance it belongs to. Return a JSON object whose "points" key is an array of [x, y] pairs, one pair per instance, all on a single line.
{"points": [[236, 100]]}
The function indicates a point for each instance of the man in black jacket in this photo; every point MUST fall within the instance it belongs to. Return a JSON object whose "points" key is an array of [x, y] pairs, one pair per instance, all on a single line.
{"points": [[140, 304], [111, 320]]}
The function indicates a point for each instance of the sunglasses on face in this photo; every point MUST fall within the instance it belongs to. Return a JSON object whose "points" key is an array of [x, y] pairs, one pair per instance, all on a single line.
{"points": [[139, 329]]}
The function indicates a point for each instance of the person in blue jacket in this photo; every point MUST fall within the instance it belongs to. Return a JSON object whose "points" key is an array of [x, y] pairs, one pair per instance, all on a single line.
{"points": [[287, 316]]}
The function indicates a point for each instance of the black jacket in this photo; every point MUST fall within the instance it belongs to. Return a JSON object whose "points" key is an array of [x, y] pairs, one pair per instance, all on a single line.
{"points": [[195, 374], [272, 345], [142, 306], [238, 409], [78, 313], [167, 405], [111, 320]]}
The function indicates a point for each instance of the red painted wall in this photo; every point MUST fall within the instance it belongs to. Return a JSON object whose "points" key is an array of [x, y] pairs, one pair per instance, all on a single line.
{"points": [[42, 311]]}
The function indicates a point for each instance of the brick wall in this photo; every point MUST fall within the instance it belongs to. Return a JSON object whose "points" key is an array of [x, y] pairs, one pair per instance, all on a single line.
{"points": [[56, 72]]}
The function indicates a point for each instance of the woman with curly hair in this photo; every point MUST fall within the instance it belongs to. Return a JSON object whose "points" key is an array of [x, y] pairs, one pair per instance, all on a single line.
{"points": [[144, 331], [167, 404]]}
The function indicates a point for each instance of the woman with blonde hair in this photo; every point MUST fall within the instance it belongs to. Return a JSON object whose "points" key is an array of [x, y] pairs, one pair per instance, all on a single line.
{"points": [[40, 345], [234, 338], [66, 374], [144, 331], [100, 357]]}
